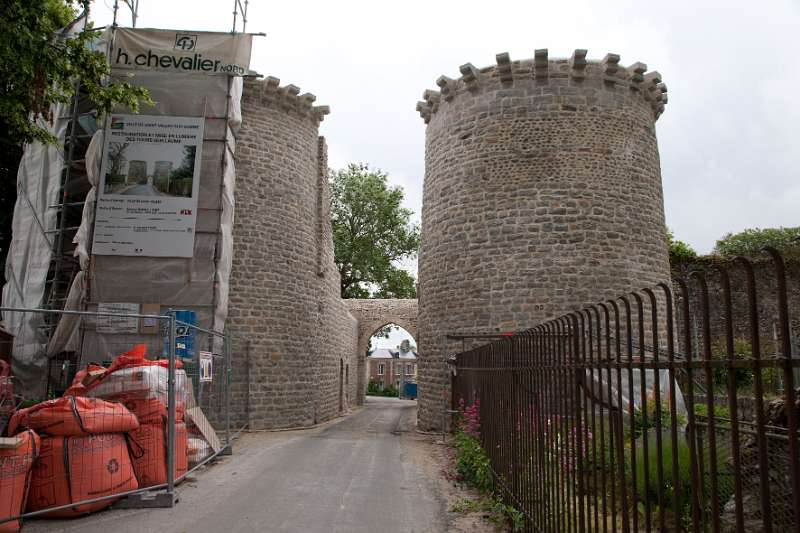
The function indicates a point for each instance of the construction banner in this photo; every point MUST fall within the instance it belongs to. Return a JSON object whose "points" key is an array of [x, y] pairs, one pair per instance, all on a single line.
{"points": [[149, 183], [181, 51]]}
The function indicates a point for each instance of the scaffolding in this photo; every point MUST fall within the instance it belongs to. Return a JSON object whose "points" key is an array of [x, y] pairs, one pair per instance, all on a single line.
{"points": [[51, 266], [73, 188]]}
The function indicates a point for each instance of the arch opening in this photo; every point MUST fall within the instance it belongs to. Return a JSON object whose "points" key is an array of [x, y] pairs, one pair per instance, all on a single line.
{"points": [[391, 367]]}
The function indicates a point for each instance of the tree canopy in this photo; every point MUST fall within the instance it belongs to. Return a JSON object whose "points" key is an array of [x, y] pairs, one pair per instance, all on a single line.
{"points": [[39, 65], [372, 233], [679, 251], [750, 241]]}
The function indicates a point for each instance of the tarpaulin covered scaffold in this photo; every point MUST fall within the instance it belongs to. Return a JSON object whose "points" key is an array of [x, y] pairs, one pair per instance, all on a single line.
{"points": [[188, 74]]}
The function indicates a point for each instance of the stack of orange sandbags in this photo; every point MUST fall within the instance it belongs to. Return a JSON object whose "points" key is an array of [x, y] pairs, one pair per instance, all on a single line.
{"points": [[83, 454], [15, 478], [141, 385]]}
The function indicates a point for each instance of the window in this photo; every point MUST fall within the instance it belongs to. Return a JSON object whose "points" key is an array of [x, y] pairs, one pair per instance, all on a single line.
{"points": [[380, 369], [409, 369]]}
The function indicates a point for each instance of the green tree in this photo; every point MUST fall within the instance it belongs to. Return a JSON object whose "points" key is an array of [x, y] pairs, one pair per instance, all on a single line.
{"points": [[679, 251], [751, 241], [39, 65], [38, 68], [371, 234]]}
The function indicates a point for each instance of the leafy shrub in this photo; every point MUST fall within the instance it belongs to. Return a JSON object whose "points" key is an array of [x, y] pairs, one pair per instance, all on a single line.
{"points": [[474, 466], [679, 251], [683, 489], [744, 377], [750, 241], [391, 391], [472, 462], [719, 410], [650, 489], [640, 424], [374, 389]]}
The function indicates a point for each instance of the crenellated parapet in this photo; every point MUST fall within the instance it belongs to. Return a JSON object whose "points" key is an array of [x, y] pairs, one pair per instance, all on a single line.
{"points": [[542, 193], [288, 97], [577, 70]]}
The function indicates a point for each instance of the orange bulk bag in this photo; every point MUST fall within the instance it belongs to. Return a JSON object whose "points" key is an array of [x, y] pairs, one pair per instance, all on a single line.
{"points": [[89, 378], [150, 410], [84, 378], [148, 447], [75, 469], [15, 474], [135, 357], [74, 416]]}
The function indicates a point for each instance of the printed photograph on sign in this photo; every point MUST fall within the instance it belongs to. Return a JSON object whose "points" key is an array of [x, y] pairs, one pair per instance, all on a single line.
{"points": [[149, 169], [147, 201]]}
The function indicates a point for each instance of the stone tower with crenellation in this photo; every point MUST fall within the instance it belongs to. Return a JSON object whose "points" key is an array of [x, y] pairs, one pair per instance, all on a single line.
{"points": [[542, 194]]}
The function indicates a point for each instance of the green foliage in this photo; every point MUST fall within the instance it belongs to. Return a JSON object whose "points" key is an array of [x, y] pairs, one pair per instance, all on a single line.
{"points": [[374, 389], [720, 411], [642, 423], [371, 233], [390, 391], [497, 511], [649, 490], [683, 490], [474, 466], [750, 241], [679, 251], [472, 462], [38, 67], [771, 378]]}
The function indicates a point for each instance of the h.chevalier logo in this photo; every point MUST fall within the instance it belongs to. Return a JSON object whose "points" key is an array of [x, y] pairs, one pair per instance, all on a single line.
{"points": [[112, 466], [185, 41]]}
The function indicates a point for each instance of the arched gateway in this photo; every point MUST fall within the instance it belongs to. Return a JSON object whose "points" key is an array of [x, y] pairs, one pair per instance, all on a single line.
{"points": [[373, 315]]}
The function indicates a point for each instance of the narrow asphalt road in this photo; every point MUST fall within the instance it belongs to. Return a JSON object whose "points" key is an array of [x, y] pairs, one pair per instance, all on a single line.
{"points": [[353, 476]]}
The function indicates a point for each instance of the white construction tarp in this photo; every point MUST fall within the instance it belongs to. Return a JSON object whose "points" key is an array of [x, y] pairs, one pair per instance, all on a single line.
{"points": [[198, 283], [28, 261], [605, 387]]}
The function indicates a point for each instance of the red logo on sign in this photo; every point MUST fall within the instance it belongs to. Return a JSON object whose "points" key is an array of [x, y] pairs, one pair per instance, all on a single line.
{"points": [[186, 211]]}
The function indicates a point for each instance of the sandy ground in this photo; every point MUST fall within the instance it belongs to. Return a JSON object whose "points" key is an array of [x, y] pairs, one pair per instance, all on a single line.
{"points": [[436, 460]]}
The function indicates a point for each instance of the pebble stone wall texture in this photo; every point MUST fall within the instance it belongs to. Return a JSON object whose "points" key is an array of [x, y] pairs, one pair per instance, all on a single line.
{"points": [[766, 291], [371, 316], [542, 194], [294, 340]]}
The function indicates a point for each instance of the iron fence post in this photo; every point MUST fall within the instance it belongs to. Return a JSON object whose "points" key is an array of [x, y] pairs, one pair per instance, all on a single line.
{"points": [[171, 406]]}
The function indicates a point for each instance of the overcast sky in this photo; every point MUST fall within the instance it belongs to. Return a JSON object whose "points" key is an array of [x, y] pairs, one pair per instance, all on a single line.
{"points": [[728, 139]]}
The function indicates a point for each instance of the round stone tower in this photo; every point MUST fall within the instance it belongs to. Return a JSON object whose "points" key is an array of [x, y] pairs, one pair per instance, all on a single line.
{"points": [[285, 313], [542, 194]]}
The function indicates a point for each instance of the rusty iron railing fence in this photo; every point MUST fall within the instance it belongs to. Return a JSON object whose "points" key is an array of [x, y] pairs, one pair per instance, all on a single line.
{"points": [[627, 415]]}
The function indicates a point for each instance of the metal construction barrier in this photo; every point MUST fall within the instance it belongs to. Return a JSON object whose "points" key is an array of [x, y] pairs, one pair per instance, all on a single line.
{"points": [[642, 413], [126, 425]]}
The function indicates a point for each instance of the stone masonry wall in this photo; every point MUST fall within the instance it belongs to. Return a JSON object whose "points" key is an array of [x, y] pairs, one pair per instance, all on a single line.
{"points": [[542, 194], [291, 332], [337, 331], [373, 314], [766, 298]]}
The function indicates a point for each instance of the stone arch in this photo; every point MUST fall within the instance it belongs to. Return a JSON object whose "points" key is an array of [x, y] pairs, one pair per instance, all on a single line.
{"points": [[374, 314]]}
